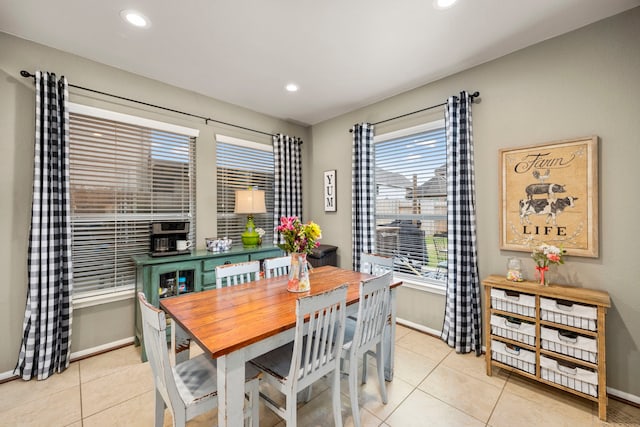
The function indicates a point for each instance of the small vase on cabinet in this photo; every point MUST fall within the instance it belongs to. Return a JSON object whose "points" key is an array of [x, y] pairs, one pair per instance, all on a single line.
{"points": [[298, 274]]}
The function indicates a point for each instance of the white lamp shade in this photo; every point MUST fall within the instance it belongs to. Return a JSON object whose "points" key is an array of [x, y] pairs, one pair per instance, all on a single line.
{"points": [[250, 202]]}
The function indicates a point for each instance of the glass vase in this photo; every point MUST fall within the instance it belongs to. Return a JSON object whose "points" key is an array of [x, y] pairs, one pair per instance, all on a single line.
{"points": [[543, 273], [298, 274]]}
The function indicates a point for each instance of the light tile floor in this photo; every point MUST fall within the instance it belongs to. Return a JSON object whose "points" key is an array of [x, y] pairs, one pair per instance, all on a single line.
{"points": [[433, 386]]}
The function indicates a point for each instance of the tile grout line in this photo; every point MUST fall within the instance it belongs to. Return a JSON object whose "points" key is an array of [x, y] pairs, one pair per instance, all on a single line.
{"points": [[81, 408], [502, 389], [418, 385]]}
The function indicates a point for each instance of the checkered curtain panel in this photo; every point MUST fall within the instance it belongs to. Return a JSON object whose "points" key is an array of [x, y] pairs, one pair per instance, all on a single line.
{"points": [[287, 158], [462, 329], [46, 339], [363, 222]]}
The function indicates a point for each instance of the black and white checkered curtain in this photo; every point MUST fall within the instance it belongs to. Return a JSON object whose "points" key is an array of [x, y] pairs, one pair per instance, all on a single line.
{"points": [[462, 328], [287, 158], [363, 223], [46, 339]]}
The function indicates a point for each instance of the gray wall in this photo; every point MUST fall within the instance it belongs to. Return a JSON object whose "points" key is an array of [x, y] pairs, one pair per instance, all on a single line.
{"points": [[97, 325], [583, 83]]}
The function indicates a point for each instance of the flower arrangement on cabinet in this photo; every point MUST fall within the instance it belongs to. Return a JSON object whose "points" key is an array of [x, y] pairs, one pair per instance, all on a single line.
{"points": [[545, 255], [298, 237]]}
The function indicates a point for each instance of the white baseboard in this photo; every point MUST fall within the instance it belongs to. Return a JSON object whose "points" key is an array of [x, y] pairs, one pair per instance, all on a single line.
{"points": [[101, 348], [418, 327], [80, 354], [623, 395], [7, 375]]}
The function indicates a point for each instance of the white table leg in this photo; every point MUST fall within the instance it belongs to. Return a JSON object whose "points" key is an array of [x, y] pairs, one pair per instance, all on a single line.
{"points": [[390, 338], [231, 389]]}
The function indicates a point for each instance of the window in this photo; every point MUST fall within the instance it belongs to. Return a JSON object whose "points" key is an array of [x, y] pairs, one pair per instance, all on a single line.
{"points": [[241, 164], [125, 172], [411, 201]]}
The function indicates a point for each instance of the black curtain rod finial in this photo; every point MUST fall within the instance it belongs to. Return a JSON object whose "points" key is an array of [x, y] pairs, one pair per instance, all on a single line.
{"points": [[24, 73]]}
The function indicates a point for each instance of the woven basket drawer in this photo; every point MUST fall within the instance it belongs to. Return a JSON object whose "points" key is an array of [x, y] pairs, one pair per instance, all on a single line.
{"points": [[568, 313], [516, 357], [570, 344], [578, 378], [513, 302], [514, 329]]}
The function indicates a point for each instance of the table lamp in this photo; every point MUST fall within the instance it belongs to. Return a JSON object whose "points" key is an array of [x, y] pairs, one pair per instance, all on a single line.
{"points": [[250, 202]]}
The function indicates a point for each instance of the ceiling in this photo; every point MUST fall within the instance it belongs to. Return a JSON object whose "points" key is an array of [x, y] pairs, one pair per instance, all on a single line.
{"points": [[344, 54]]}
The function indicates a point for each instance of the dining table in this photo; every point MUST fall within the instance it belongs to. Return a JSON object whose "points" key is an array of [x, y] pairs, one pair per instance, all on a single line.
{"points": [[238, 323]]}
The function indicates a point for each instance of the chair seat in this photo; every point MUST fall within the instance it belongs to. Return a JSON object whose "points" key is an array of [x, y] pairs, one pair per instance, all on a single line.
{"points": [[277, 362], [349, 332], [196, 378]]}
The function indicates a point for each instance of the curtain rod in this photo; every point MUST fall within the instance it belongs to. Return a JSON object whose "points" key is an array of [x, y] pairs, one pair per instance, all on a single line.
{"points": [[473, 95], [24, 73]]}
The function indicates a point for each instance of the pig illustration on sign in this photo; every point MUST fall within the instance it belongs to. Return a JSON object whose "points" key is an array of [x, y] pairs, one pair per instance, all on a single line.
{"points": [[549, 189]]}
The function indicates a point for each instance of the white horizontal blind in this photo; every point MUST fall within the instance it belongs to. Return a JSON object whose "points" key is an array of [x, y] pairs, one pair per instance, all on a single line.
{"points": [[123, 177], [239, 166], [411, 202]]}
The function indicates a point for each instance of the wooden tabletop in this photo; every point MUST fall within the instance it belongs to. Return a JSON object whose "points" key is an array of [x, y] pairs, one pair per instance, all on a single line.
{"points": [[227, 319]]}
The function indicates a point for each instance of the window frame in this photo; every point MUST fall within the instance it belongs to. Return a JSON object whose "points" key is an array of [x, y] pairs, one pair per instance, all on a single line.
{"points": [[411, 281], [260, 218], [115, 293]]}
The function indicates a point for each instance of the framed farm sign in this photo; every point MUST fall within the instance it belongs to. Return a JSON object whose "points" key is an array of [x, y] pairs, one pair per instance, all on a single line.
{"points": [[330, 191], [549, 194]]}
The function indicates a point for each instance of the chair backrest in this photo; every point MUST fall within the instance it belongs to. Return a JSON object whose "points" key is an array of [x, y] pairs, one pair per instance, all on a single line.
{"points": [[154, 325], [375, 264], [316, 350], [440, 244], [235, 274], [373, 312], [274, 267]]}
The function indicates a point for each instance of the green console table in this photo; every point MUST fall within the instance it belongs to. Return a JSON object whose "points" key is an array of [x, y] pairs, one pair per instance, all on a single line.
{"points": [[168, 276]]}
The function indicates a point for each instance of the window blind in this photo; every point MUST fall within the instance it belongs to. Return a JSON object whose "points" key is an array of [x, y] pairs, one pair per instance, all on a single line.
{"points": [[239, 165], [123, 176], [411, 202]]}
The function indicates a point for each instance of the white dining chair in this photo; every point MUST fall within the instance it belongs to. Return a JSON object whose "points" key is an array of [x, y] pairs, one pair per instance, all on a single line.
{"points": [[313, 354], [440, 245], [189, 388], [365, 336], [276, 266], [235, 274], [375, 264]]}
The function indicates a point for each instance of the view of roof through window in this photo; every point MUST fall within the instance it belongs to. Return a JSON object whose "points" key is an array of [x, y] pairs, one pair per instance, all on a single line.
{"points": [[411, 204]]}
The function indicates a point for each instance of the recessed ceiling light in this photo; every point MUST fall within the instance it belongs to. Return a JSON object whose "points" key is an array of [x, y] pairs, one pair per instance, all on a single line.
{"points": [[292, 87], [443, 4], [135, 18]]}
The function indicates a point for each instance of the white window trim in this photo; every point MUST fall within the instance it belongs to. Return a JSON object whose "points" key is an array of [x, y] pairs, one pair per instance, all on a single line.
{"points": [[132, 120], [425, 285], [425, 127], [97, 298], [244, 143]]}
